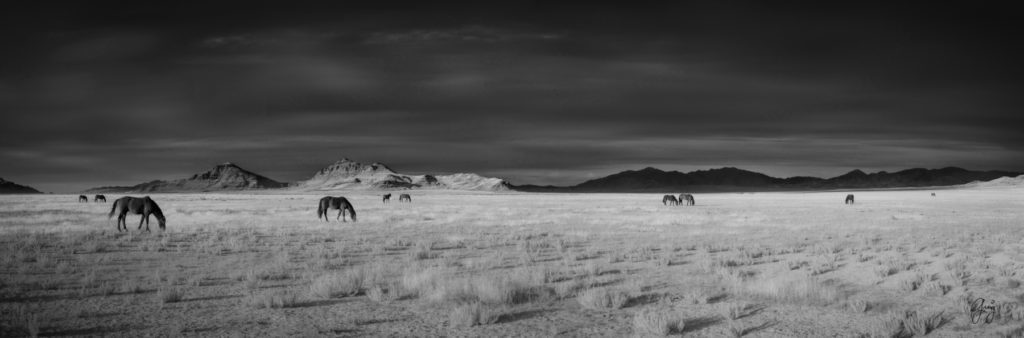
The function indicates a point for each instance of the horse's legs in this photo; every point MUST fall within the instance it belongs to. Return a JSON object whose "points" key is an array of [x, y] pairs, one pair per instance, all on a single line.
{"points": [[340, 212], [147, 221], [141, 220]]}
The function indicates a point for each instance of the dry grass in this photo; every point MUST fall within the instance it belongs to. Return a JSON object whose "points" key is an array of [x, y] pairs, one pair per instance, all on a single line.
{"points": [[657, 323], [858, 305], [522, 256], [505, 289], [131, 286], [383, 294], [168, 293], [24, 321], [731, 311], [804, 290], [276, 299], [908, 324], [603, 298], [471, 314]]}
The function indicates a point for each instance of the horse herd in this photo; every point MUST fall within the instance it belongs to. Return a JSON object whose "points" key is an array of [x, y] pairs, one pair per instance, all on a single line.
{"points": [[98, 198], [672, 200], [146, 207], [401, 198]]}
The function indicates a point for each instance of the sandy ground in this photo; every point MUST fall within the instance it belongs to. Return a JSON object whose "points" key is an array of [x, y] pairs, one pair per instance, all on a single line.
{"points": [[536, 265]]}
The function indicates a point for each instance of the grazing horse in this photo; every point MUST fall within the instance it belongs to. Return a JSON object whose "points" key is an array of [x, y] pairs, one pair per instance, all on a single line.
{"points": [[405, 197], [387, 198], [339, 203], [82, 198], [686, 198], [669, 199], [137, 206], [849, 199], [100, 198]]}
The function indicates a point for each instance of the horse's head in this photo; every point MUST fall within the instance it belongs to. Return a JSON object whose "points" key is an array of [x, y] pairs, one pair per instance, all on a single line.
{"points": [[159, 214], [352, 212]]}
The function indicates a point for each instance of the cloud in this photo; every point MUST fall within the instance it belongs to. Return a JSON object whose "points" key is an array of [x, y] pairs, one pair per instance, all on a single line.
{"points": [[537, 96], [464, 34]]}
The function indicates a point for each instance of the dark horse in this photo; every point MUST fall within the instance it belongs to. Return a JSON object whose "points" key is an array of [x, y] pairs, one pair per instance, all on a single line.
{"points": [[100, 198], [669, 199], [686, 198], [137, 206], [405, 197], [387, 198], [339, 203], [849, 199], [82, 198]]}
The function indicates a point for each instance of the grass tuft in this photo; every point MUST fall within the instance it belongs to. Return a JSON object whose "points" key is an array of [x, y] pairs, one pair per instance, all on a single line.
{"points": [[471, 314], [602, 298], [651, 322]]}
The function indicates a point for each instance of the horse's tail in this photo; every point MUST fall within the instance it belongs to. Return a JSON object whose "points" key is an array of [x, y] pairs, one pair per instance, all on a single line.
{"points": [[320, 210], [113, 207]]}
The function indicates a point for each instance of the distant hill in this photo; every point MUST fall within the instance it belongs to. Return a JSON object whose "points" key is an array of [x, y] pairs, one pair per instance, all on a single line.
{"points": [[349, 174], [8, 187], [1002, 182], [223, 177], [733, 179]]}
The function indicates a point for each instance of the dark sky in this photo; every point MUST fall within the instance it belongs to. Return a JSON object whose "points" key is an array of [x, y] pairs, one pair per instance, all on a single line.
{"points": [[96, 94]]}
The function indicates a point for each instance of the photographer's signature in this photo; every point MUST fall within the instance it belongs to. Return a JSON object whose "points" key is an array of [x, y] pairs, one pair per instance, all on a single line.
{"points": [[986, 310]]}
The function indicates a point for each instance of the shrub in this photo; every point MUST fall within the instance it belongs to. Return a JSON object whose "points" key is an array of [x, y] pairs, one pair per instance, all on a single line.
{"points": [[736, 329], [858, 305], [651, 322], [423, 250], [382, 294], [698, 296], [274, 300], [418, 282], [922, 325], [602, 298], [908, 323], [131, 286], [731, 311], [569, 288], [935, 288], [884, 271], [471, 314], [908, 285], [348, 283], [170, 294]]}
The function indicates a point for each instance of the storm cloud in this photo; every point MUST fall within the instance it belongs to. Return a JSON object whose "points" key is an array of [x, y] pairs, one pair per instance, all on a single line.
{"points": [[529, 92]]}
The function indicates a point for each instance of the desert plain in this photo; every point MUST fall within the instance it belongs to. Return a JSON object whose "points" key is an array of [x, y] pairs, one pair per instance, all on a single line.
{"points": [[897, 263]]}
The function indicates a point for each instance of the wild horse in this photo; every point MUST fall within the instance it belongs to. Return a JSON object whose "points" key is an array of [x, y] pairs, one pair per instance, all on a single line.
{"points": [[339, 203], [137, 206]]}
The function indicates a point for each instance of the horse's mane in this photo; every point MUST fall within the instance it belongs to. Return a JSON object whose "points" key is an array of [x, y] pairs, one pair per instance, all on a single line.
{"points": [[155, 209]]}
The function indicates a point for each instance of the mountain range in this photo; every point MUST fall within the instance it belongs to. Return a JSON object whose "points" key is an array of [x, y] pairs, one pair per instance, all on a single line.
{"points": [[344, 174], [225, 176], [733, 179], [8, 187], [348, 174]]}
